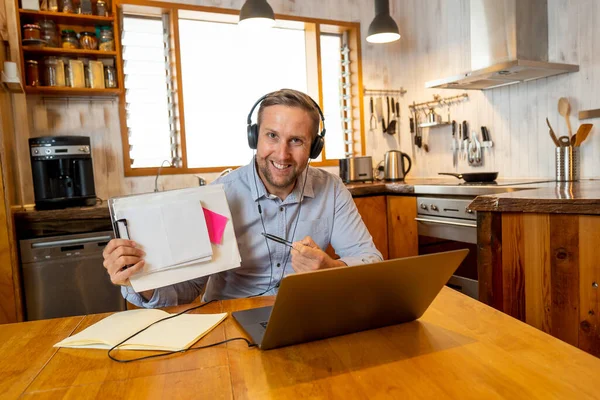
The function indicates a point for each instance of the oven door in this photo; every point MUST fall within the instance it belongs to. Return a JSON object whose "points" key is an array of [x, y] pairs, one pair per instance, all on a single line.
{"points": [[441, 233]]}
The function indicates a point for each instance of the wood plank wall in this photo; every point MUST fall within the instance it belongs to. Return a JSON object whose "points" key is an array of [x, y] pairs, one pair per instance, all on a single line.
{"points": [[434, 44], [545, 271]]}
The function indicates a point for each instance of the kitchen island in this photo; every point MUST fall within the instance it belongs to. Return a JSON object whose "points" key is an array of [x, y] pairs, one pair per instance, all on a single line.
{"points": [[539, 258], [460, 348]]}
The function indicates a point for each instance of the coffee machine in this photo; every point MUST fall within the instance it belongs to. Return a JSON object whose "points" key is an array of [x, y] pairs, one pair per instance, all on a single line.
{"points": [[62, 172]]}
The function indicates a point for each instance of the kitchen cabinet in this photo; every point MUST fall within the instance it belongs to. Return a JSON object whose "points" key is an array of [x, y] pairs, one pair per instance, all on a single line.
{"points": [[543, 269], [391, 222], [403, 238], [373, 210]]}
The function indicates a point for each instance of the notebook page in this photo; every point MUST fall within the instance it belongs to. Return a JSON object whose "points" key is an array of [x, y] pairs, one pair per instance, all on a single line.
{"points": [[113, 329]]}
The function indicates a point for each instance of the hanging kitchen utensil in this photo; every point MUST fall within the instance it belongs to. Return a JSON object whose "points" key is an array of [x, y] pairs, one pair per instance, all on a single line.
{"points": [[465, 140], [564, 109], [582, 133], [474, 176], [373, 118], [552, 134], [379, 109], [391, 128], [398, 120], [454, 145]]}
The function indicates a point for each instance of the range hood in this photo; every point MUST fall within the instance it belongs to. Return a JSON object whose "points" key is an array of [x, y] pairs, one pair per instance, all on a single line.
{"points": [[509, 45]]}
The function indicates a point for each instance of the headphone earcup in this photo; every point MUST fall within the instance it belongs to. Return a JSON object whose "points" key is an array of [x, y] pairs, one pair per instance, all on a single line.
{"points": [[253, 136], [316, 147]]}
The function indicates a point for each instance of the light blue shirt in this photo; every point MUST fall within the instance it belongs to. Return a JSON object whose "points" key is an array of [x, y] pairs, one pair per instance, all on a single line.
{"points": [[327, 214]]}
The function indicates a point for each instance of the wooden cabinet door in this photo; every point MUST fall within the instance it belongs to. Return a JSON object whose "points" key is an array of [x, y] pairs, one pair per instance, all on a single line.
{"points": [[373, 210], [403, 238]]}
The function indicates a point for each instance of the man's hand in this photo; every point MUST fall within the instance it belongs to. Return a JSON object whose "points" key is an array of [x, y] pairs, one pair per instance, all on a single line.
{"points": [[119, 253], [307, 256]]}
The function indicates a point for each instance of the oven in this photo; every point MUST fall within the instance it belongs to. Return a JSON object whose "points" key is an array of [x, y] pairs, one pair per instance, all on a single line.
{"points": [[447, 223]]}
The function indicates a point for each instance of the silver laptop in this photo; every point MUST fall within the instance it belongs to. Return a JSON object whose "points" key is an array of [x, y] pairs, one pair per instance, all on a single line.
{"points": [[332, 302]]}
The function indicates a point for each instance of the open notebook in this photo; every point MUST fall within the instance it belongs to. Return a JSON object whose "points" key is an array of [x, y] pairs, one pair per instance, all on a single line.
{"points": [[171, 228], [171, 335]]}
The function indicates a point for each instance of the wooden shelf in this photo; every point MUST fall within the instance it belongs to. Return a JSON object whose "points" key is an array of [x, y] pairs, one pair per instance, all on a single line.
{"points": [[69, 91], [65, 18], [58, 51]]}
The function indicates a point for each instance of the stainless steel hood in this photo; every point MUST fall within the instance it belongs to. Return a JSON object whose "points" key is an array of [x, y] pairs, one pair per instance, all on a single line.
{"points": [[509, 45]]}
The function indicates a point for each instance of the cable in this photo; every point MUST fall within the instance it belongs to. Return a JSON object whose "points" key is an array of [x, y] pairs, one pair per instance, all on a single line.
{"points": [[254, 166], [293, 233], [168, 353]]}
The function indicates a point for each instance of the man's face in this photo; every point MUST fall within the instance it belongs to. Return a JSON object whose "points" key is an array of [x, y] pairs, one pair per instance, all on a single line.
{"points": [[284, 140]]}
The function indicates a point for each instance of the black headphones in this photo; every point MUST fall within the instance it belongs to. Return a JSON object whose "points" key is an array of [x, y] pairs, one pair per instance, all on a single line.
{"points": [[315, 148]]}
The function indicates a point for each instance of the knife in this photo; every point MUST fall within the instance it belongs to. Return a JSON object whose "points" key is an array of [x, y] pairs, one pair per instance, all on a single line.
{"points": [[454, 146], [465, 138]]}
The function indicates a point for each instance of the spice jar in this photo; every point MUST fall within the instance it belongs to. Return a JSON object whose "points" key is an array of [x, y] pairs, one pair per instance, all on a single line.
{"points": [[50, 71], [32, 73], [110, 77], [101, 8], [31, 31], [49, 33], [107, 40], [67, 6], [69, 39], [88, 40]]}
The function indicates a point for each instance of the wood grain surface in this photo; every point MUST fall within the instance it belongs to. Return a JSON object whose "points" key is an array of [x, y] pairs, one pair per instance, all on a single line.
{"points": [[373, 210], [457, 337], [403, 238]]}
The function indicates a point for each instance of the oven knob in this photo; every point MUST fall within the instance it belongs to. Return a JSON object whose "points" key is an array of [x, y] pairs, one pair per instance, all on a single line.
{"points": [[48, 151], [468, 210], [84, 149], [434, 207], [36, 151], [423, 206]]}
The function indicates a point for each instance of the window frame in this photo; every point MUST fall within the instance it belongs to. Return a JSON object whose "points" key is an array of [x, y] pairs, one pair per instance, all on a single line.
{"points": [[313, 28]]}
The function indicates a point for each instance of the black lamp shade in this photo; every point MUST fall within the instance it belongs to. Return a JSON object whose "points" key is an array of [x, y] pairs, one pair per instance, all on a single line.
{"points": [[383, 29], [256, 9]]}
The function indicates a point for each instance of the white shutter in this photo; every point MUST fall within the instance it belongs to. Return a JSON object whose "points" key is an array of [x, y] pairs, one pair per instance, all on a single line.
{"points": [[149, 101]]}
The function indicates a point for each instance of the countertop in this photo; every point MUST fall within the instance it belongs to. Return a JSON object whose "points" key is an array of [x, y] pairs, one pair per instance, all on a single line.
{"points": [[581, 197], [459, 348]]}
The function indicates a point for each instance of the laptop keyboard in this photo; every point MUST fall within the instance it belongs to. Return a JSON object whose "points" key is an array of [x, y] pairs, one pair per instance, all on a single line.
{"points": [[263, 324]]}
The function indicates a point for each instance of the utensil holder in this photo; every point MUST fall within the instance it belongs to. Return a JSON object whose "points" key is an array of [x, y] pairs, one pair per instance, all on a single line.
{"points": [[567, 164]]}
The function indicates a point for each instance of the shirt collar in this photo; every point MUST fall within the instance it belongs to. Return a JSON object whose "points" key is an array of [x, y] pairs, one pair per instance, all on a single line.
{"points": [[258, 189]]}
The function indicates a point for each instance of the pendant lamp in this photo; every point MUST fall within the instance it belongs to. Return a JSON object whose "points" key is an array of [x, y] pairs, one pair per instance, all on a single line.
{"points": [[257, 13], [383, 29]]}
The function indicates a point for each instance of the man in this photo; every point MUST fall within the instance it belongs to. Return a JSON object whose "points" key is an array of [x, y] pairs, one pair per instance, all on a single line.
{"points": [[277, 193]]}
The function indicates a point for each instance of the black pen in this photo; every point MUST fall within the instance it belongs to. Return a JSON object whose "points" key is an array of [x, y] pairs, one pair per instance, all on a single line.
{"points": [[277, 239]]}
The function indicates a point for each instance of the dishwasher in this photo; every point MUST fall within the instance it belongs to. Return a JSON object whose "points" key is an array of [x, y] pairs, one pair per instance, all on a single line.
{"points": [[64, 276]]}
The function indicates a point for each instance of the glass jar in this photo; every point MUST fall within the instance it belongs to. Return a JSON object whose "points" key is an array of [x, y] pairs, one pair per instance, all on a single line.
{"points": [[101, 8], [107, 40], [67, 6], [110, 77], [49, 33], [69, 39], [53, 5], [88, 41], [32, 73], [50, 71], [31, 31]]}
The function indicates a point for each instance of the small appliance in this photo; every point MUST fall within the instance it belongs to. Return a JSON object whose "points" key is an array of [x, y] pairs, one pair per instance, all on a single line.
{"points": [[62, 171], [356, 169], [393, 165]]}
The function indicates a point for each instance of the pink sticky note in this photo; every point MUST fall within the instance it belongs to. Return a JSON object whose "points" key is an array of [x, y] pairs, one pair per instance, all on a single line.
{"points": [[215, 224]]}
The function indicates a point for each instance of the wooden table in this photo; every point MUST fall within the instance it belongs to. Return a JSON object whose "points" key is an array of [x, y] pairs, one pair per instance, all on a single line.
{"points": [[460, 348]]}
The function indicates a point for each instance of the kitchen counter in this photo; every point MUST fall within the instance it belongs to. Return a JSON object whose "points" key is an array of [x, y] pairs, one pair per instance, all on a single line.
{"points": [[581, 197]]}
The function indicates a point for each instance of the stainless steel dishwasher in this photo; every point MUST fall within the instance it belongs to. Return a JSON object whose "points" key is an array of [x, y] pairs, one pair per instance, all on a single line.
{"points": [[64, 276]]}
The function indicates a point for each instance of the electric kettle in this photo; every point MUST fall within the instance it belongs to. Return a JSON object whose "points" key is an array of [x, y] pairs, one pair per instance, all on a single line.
{"points": [[393, 165]]}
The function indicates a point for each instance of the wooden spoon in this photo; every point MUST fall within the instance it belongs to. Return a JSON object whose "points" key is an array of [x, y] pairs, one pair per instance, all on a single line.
{"points": [[582, 133], [564, 109]]}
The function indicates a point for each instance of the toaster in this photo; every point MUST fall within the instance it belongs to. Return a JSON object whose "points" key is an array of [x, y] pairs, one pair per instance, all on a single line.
{"points": [[356, 169]]}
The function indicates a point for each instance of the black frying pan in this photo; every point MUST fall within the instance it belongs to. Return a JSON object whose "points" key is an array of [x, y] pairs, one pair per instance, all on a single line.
{"points": [[474, 176]]}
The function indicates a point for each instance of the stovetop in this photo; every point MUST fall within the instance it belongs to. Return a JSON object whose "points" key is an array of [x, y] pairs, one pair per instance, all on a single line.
{"points": [[458, 187]]}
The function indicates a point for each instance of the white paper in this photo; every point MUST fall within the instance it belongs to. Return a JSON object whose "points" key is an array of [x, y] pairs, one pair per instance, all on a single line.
{"points": [[225, 256]]}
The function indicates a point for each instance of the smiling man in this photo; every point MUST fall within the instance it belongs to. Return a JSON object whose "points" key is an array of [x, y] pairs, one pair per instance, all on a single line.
{"points": [[278, 194]]}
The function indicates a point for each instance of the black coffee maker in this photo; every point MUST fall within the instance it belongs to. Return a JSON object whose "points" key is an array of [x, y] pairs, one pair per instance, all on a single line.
{"points": [[62, 172]]}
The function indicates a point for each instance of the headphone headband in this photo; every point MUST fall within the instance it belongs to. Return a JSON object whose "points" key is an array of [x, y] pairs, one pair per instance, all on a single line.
{"points": [[252, 129]]}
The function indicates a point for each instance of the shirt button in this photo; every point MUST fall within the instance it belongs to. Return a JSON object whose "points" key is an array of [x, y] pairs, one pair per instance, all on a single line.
{"points": [[281, 209], [278, 265]]}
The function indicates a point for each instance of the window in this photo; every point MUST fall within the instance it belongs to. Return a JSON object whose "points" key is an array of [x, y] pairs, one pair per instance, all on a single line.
{"points": [[192, 76]]}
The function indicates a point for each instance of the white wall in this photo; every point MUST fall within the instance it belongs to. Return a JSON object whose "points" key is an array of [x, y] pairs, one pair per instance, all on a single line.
{"points": [[434, 44]]}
